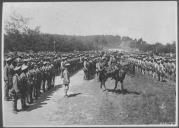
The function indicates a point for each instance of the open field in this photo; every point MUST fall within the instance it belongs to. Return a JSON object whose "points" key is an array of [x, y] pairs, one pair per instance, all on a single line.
{"points": [[145, 101]]}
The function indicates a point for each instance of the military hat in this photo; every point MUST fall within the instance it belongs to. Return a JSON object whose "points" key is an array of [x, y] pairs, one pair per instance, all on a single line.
{"points": [[45, 62], [24, 67], [17, 68], [66, 64], [8, 59], [26, 60], [103, 58]]}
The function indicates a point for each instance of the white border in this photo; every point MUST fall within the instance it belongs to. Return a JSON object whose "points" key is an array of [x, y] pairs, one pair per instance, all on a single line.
{"points": [[158, 125], [2, 63]]}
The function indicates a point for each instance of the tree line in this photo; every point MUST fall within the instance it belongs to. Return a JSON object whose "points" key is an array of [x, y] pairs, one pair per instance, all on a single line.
{"points": [[20, 37]]}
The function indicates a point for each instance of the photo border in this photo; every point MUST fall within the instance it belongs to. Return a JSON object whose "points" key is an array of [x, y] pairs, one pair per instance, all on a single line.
{"points": [[2, 53]]}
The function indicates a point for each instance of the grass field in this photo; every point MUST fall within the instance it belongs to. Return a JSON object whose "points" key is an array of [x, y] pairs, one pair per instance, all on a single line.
{"points": [[154, 104]]}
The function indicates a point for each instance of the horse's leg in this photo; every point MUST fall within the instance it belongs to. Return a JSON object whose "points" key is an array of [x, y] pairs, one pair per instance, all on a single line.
{"points": [[101, 85], [104, 86], [116, 82], [122, 88]]}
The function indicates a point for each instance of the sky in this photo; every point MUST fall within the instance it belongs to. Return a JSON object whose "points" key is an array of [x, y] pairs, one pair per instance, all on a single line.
{"points": [[152, 21]]}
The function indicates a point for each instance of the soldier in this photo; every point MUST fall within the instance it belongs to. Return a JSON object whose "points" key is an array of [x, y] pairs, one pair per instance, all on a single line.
{"points": [[35, 86], [85, 68], [97, 68], [66, 80], [173, 69], [62, 66], [53, 75], [49, 77], [29, 85], [44, 78], [162, 70], [102, 74], [39, 79], [23, 85], [15, 90], [165, 64], [8, 74], [153, 69]]}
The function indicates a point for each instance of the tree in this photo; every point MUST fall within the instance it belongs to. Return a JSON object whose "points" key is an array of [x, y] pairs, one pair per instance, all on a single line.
{"points": [[18, 34]]}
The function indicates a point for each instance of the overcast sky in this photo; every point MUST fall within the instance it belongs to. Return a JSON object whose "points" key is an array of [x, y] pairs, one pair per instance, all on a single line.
{"points": [[153, 21]]}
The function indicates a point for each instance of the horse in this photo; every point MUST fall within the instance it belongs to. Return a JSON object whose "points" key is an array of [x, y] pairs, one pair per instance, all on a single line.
{"points": [[118, 75]]}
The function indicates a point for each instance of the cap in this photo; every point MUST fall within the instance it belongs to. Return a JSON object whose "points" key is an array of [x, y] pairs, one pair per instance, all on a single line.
{"points": [[45, 62], [24, 67], [67, 64], [16, 68], [8, 59], [103, 58]]}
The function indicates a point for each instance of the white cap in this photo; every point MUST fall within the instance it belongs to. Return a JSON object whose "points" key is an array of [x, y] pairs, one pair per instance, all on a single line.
{"points": [[24, 67], [16, 68], [8, 59]]}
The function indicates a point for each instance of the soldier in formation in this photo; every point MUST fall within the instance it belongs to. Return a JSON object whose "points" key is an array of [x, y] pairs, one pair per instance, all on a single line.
{"points": [[161, 69], [34, 74]]}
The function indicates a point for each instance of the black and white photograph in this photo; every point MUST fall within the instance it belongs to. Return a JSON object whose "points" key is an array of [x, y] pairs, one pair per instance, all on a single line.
{"points": [[89, 63]]}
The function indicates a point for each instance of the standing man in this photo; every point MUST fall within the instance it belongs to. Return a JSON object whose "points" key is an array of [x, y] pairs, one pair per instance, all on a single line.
{"points": [[23, 86], [8, 74], [97, 68], [162, 70], [53, 75], [85, 69], [66, 80], [62, 66], [15, 91]]}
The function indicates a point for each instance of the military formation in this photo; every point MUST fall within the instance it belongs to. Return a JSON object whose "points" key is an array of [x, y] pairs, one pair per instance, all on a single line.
{"points": [[27, 76], [160, 68], [109, 62]]}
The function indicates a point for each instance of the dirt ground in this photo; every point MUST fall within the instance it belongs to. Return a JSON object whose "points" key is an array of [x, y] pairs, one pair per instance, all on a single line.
{"points": [[145, 101]]}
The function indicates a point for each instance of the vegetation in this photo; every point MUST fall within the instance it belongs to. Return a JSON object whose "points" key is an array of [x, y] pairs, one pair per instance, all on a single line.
{"points": [[20, 37]]}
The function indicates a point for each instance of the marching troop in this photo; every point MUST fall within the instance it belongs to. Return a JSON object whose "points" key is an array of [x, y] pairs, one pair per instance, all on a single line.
{"points": [[28, 76]]}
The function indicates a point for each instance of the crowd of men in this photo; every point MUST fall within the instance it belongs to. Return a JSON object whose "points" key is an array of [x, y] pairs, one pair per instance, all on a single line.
{"points": [[29, 75], [161, 68]]}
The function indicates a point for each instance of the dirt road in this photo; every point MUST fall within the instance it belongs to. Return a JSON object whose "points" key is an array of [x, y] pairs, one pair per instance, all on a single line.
{"points": [[145, 101]]}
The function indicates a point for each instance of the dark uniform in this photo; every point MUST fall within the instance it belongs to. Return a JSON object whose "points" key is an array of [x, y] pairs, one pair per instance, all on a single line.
{"points": [[23, 87], [15, 90]]}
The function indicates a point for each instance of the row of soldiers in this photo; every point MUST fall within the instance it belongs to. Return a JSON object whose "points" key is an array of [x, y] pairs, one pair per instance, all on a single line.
{"points": [[26, 78], [161, 69], [89, 68], [158, 68], [27, 82]]}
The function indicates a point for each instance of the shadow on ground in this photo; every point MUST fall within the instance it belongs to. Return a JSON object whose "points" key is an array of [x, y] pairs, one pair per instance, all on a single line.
{"points": [[44, 97], [125, 91], [74, 94]]}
